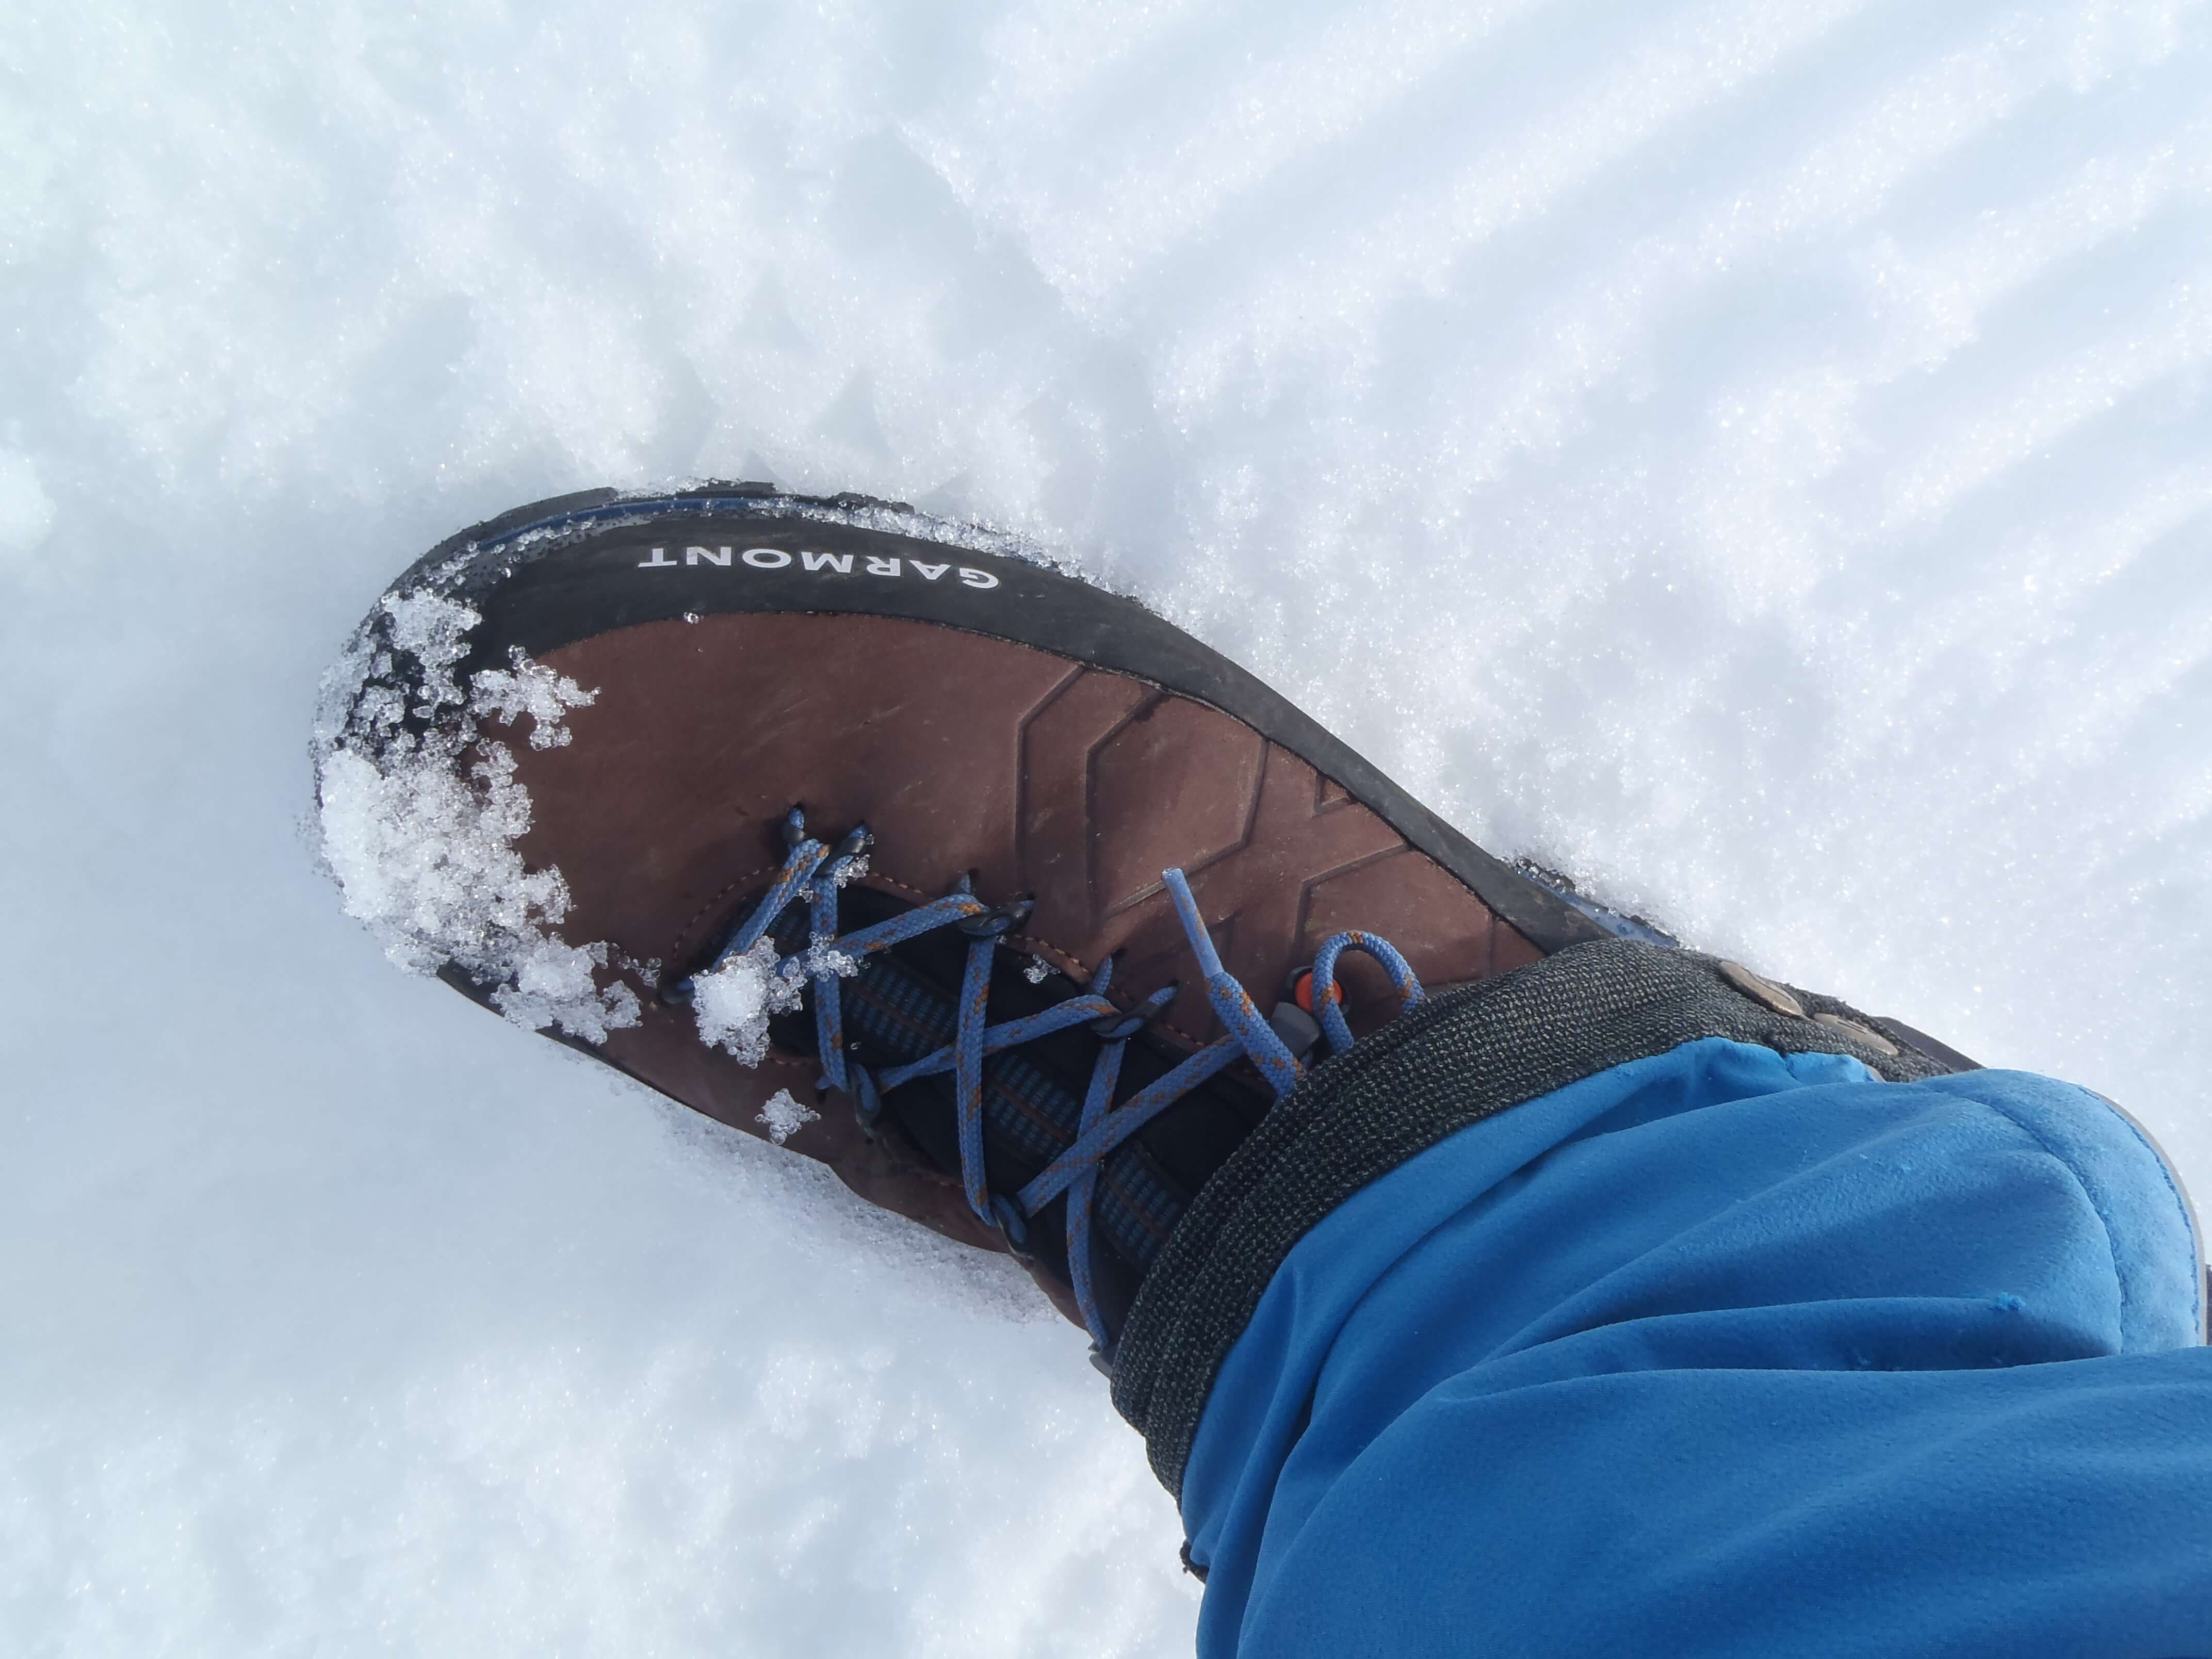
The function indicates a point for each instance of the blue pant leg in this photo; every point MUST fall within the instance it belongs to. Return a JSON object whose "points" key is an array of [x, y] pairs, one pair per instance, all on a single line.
{"points": [[1724, 1352]]}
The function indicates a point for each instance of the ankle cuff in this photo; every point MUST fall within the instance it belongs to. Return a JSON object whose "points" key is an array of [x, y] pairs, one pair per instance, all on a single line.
{"points": [[1447, 1063]]}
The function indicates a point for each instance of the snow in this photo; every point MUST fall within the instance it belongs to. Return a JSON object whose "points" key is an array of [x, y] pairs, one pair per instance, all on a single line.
{"points": [[418, 821], [785, 1116], [733, 1004], [531, 688], [1752, 459], [26, 512]]}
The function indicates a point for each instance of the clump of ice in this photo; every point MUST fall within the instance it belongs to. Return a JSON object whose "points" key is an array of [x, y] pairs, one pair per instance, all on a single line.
{"points": [[821, 957], [733, 1003], [1038, 970], [533, 690], [785, 1117], [435, 631], [419, 816]]}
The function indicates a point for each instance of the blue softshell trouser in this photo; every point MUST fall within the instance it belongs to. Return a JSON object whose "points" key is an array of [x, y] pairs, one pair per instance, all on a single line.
{"points": [[1728, 1353]]}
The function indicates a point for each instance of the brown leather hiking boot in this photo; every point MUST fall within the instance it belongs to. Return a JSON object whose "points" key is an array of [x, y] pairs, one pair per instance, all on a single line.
{"points": [[558, 767]]}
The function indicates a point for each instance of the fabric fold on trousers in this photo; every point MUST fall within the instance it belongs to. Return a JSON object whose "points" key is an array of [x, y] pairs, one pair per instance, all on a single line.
{"points": [[1726, 1350]]}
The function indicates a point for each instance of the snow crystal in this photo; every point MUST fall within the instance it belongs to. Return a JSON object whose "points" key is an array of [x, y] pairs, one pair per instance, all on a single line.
{"points": [[435, 630], [531, 688], [818, 958], [733, 1004], [418, 827], [785, 1116], [1037, 970]]}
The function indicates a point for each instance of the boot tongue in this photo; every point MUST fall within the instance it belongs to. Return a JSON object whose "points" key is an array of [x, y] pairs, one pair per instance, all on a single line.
{"points": [[902, 1005]]}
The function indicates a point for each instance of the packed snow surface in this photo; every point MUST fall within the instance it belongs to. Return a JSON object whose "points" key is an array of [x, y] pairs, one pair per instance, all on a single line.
{"points": [[1756, 458]]}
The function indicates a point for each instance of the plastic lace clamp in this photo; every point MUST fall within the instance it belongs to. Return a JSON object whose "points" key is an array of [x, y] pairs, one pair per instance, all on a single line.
{"points": [[1120, 1028], [867, 1099], [1298, 1029], [1008, 1219], [998, 922]]}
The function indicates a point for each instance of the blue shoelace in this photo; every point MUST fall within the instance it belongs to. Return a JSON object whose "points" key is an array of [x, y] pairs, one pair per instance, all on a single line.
{"points": [[814, 871]]}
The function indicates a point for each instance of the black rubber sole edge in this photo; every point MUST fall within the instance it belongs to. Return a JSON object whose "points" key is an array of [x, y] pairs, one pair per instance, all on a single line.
{"points": [[566, 569]]}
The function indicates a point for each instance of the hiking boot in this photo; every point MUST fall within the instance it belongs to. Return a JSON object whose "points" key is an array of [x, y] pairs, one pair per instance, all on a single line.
{"points": [[1000, 895]]}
